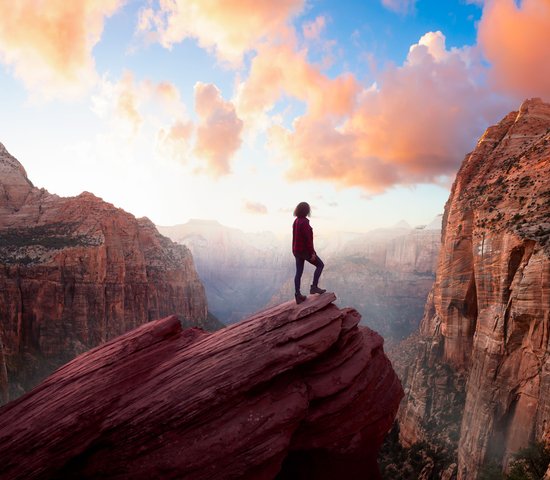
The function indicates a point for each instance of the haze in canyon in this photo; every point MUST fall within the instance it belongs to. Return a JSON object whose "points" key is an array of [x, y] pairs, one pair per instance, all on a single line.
{"points": [[385, 273]]}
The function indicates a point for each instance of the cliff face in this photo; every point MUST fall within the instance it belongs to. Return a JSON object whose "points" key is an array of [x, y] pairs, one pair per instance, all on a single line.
{"points": [[482, 358], [294, 392], [75, 272]]}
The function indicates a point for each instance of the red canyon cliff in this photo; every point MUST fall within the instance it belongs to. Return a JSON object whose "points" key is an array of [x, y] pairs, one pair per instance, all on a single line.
{"points": [[75, 272], [482, 363], [293, 392]]}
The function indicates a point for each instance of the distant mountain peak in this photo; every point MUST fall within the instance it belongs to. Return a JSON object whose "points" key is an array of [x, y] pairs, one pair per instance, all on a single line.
{"points": [[14, 183], [10, 166], [201, 221], [402, 224]]}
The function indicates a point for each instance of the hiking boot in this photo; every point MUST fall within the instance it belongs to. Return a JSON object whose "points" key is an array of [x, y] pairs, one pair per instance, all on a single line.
{"points": [[299, 298], [316, 289]]}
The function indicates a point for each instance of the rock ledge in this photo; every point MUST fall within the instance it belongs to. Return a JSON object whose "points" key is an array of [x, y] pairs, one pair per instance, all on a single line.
{"points": [[291, 392]]}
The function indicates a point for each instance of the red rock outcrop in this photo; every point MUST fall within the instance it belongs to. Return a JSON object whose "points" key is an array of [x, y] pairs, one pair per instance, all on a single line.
{"points": [[483, 360], [75, 272], [293, 392]]}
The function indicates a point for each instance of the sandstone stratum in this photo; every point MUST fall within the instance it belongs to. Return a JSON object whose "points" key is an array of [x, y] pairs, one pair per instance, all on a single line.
{"points": [[293, 392], [76, 272], [480, 382]]}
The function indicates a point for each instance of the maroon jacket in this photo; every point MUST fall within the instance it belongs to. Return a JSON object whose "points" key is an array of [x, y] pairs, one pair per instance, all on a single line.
{"points": [[302, 237]]}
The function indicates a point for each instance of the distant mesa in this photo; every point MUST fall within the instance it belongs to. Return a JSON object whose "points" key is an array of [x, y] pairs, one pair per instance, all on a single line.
{"points": [[293, 392], [76, 272]]}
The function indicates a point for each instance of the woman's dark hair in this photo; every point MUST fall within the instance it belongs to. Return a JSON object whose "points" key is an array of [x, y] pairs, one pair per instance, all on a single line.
{"points": [[302, 210]]}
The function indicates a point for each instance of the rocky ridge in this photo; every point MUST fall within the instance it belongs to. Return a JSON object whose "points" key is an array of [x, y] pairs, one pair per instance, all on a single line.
{"points": [[293, 392], [75, 272], [480, 382]]}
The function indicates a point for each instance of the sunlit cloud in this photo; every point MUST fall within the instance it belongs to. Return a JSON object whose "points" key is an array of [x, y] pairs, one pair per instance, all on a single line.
{"points": [[400, 6], [120, 102], [175, 141], [218, 130], [515, 39], [229, 28], [254, 208], [128, 104], [279, 70], [415, 126], [50, 47], [312, 30]]}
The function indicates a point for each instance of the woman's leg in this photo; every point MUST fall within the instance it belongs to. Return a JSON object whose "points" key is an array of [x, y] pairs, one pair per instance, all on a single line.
{"points": [[318, 270], [298, 276]]}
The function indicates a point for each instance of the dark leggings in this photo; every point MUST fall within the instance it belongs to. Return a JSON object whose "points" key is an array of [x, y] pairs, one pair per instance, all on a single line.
{"points": [[300, 260]]}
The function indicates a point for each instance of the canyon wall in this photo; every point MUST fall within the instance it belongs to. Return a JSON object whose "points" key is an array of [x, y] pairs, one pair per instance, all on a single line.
{"points": [[75, 272], [480, 380]]}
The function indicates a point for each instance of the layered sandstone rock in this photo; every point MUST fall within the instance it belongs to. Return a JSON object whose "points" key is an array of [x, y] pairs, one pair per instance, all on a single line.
{"points": [[75, 272], [294, 392], [483, 354]]}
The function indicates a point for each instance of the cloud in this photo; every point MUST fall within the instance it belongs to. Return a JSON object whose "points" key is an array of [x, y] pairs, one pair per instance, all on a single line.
{"points": [[128, 105], [174, 141], [281, 69], [515, 39], [400, 6], [120, 103], [312, 30], [50, 47], [414, 126], [227, 27], [218, 131], [255, 208]]}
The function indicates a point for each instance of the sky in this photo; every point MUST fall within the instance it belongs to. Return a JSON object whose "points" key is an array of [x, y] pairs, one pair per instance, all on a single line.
{"points": [[236, 110]]}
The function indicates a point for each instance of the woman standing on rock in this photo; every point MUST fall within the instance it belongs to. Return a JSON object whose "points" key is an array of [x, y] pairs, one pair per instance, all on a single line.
{"points": [[302, 248]]}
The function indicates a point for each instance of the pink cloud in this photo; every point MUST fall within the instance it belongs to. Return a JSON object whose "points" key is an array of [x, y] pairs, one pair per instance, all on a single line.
{"points": [[50, 47], [120, 103], [312, 30], [218, 131], [414, 126], [227, 27], [281, 69], [516, 41], [255, 207], [174, 141]]}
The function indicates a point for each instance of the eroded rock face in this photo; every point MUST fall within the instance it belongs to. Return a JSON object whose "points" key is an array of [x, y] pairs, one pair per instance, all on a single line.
{"points": [[293, 392], [75, 272], [483, 354]]}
